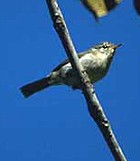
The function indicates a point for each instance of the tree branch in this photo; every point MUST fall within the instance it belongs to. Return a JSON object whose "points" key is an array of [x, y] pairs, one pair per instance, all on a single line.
{"points": [[94, 106]]}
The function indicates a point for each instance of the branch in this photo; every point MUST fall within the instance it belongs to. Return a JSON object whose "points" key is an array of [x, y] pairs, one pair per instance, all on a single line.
{"points": [[94, 106]]}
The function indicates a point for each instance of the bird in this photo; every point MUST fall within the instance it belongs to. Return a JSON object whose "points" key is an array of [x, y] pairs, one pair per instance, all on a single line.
{"points": [[95, 61]]}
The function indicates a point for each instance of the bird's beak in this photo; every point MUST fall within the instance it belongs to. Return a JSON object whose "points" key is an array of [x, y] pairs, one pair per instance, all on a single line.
{"points": [[117, 46]]}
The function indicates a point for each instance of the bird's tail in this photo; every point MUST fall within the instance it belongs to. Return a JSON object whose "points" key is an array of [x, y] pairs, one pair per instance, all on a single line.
{"points": [[34, 87]]}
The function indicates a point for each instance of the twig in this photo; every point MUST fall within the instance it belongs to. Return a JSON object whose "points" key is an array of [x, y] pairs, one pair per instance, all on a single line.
{"points": [[94, 106]]}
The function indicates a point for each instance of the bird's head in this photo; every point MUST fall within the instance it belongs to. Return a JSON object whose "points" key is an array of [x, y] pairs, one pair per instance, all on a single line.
{"points": [[106, 49]]}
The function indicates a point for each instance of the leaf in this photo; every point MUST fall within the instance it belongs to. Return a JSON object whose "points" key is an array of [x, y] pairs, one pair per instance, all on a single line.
{"points": [[137, 6], [100, 8]]}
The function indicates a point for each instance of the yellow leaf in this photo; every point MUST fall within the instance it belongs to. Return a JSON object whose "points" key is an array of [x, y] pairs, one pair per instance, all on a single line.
{"points": [[100, 7]]}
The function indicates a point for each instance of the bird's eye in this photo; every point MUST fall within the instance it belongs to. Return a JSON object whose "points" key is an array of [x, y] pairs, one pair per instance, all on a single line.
{"points": [[104, 46]]}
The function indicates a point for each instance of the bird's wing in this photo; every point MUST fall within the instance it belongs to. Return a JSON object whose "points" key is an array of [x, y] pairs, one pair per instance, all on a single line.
{"points": [[65, 62]]}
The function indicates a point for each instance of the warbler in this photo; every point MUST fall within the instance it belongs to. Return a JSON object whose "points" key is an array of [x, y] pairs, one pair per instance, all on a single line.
{"points": [[95, 61]]}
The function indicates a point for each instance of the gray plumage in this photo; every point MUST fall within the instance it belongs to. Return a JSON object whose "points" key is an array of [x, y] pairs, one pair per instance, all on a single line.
{"points": [[95, 61]]}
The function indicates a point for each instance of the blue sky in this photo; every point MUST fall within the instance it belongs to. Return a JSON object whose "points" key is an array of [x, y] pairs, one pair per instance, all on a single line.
{"points": [[54, 124]]}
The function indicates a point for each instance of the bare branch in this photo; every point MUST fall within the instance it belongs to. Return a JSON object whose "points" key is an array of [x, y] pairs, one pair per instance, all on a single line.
{"points": [[94, 106]]}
